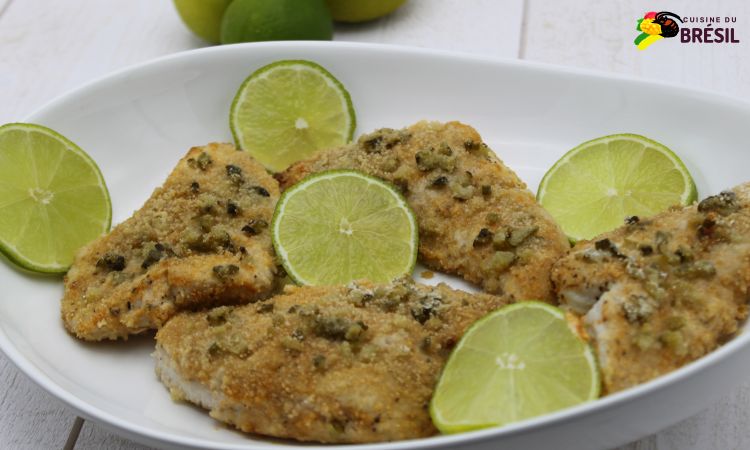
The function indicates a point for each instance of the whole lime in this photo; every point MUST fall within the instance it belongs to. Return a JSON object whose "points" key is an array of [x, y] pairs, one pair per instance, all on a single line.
{"points": [[362, 10], [203, 17], [276, 20]]}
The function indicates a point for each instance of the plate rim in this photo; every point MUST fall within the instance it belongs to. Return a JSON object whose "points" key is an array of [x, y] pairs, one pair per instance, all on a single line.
{"points": [[138, 432]]}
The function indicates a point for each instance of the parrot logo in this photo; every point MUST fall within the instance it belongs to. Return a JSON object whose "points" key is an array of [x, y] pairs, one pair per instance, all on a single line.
{"points": [[656, 26]]}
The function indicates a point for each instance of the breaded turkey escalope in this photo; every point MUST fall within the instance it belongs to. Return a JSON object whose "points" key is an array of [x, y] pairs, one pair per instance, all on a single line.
{"points": [[661, 292], [201, 240], [328, 364], [476, 217]]}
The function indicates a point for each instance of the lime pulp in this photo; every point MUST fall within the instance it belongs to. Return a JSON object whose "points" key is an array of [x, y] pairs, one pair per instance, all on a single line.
{"points": [[516, 363], [594, 187], [339, 226], [289, 110], [53, 199]]}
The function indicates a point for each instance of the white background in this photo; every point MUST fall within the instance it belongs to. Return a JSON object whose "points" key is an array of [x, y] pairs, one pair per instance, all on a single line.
{"points": [[50, 46]]}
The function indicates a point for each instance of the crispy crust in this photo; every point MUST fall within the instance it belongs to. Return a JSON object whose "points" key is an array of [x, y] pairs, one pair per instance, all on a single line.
{"points": [[163, 259], [458, 188], [327, 364], [663, 291]]}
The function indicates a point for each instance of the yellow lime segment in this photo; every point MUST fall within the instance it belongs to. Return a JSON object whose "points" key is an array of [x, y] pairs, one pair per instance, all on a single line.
{"points": [[203, 17], [288, 110], [593, 188], [53, 199], [516, 363], [341, 225]]}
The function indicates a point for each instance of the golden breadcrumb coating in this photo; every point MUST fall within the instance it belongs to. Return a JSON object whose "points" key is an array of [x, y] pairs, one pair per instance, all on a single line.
{"points": [[328, 364], [663, 291], [201, 240], [476, 217]]}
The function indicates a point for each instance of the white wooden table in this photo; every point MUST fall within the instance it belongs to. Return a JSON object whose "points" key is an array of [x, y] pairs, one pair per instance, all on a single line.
{"points": [[47, 48]]}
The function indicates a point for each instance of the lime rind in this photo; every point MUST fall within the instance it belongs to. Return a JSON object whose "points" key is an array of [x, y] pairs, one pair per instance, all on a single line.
{"points": [[327, 175], [8, 249], [687, 196], [456, 426], [297, 64]]}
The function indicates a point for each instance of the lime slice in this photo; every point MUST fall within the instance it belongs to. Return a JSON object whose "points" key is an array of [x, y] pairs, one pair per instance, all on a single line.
{"points": [[338, 226], [595, 186], [53, 199], [288, 110], [518, 362]]}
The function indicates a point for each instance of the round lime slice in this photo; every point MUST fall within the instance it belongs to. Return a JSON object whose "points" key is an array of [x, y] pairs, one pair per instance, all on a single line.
{"points": [[53, 199], [518, 362], [288, 110], [338, 226], [595, 186]]}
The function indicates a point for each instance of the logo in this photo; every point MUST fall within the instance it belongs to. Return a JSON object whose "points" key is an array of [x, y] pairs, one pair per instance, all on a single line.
{"points": [[656, 26]]}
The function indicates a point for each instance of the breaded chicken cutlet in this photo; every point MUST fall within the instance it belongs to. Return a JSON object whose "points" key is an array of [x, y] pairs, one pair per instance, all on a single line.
{"points": [[661, 292], [476, 217], [328, 364], [201, 240]]}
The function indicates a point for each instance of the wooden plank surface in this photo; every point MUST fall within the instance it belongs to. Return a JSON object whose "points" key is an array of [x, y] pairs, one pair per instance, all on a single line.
{"points": [[486, 27], [599, 35], [31, 418], [94, 437], [48, 50], [721, 426]]}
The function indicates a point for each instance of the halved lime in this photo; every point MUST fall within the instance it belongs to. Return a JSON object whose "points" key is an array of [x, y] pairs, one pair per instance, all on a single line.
{"points": [[518, 362], [288, 110], [595, 186], [338, 226], [53, 199]]}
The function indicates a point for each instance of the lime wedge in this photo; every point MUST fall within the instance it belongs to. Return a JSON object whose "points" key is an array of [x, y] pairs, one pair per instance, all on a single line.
{"points": [[288, 110], [53, 199], [518, 362], [595, 186], [338, 226]]}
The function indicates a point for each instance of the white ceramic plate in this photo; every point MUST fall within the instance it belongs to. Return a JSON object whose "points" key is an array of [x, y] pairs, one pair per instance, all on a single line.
{"points": [[138, 122]]}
